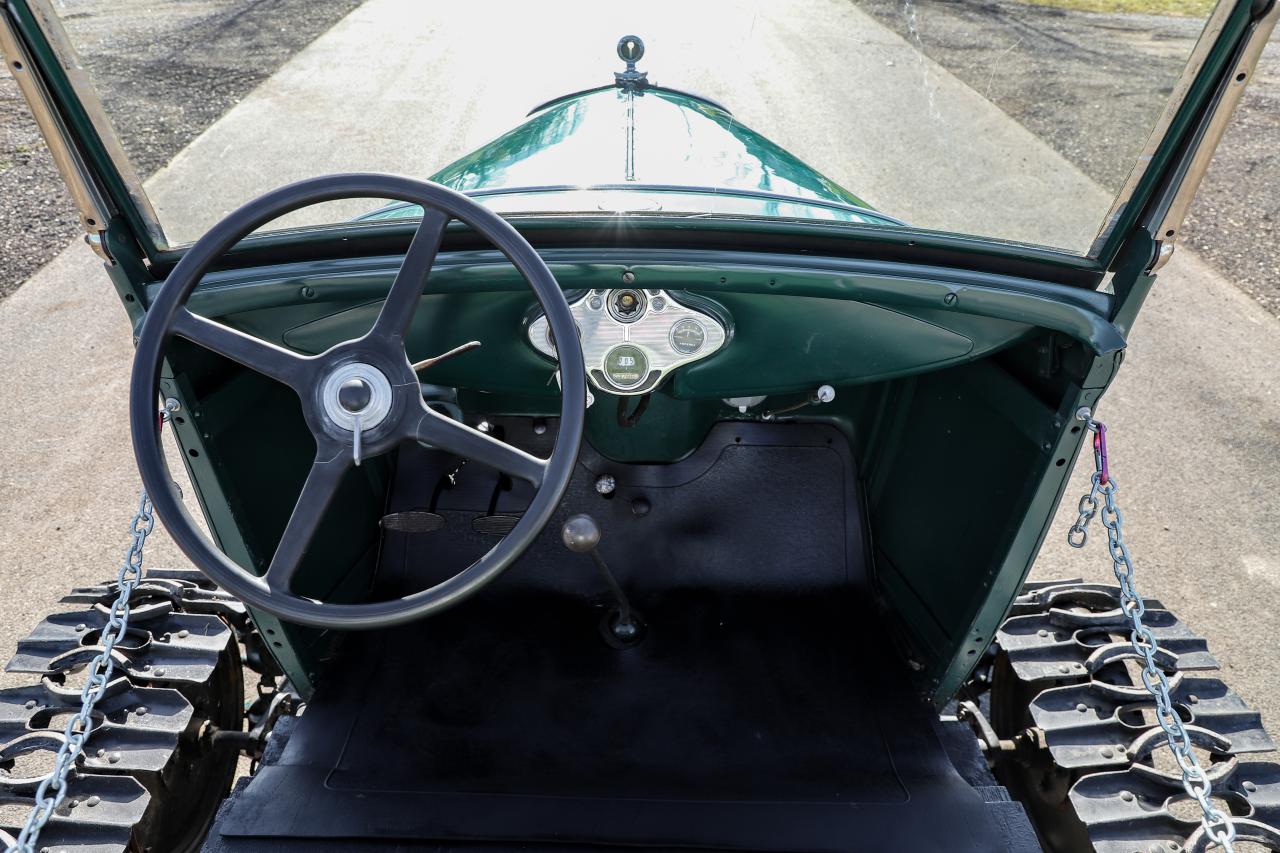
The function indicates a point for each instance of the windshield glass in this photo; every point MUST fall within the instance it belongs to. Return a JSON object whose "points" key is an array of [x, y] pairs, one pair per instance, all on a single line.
{"points": [[1006, 119]]}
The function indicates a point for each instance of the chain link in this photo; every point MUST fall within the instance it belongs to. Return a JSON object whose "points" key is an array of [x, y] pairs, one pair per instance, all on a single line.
{"points": [[53, 789], [1218, 825]]}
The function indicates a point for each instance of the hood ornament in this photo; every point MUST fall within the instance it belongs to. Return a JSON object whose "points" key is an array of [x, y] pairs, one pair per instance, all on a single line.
{"points": [[630, 51]]}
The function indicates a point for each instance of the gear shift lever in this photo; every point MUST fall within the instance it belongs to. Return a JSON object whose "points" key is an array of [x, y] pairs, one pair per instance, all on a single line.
{"points": [[581, 535]]}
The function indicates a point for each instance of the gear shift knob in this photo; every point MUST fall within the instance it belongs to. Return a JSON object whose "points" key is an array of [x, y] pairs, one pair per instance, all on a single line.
{"points": [[580, 533]]}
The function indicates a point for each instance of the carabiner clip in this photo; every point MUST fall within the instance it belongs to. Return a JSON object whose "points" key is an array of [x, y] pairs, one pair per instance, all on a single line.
{"points": [[1100, 452], [1099, 430]]}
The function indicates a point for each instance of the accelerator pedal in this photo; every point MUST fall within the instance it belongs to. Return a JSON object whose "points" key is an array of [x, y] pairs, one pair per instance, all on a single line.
{"points": [[494, 525]]}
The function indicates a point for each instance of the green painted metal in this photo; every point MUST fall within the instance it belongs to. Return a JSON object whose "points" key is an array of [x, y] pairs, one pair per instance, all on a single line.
{"points": [[611, 136], [640, 152], [901, 245], [913, 351], [858, 321]]}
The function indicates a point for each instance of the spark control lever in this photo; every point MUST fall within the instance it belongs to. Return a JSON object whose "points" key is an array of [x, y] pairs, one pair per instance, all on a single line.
{"points": [[581, 535]]}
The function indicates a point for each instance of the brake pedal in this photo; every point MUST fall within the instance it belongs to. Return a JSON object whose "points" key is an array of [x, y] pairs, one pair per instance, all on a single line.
{"points": [[496, 525], [412, 521]]}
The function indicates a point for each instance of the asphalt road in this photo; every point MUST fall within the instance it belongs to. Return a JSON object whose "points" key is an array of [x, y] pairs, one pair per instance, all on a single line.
{"points": [[1195, 413]]}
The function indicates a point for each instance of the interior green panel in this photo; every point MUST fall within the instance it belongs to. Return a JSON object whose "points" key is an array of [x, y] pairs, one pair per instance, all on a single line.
{"points": [[963, 446], [826, 341], [960, 421], [913, 289], [859, 321]]}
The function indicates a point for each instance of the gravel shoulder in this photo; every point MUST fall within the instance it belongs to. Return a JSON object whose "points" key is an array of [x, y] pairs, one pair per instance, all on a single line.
{"points": [[181, 65], [1083, 81]]}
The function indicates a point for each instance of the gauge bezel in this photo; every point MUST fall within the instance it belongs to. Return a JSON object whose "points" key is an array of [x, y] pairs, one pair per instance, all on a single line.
{"points": [[671, 335], [644, 373], [600, 332], [613, 295]]}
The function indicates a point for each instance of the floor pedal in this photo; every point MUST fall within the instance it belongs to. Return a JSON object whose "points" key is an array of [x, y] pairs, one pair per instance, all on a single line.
{"points": [[496, 525], [412, 521]]}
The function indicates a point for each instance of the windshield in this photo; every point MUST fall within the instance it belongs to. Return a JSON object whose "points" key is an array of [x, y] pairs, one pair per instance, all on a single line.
{"points": [[1009, 120]]}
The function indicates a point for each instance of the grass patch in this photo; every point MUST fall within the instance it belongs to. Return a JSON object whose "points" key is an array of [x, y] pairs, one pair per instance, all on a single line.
{"points": [[1181, 8]]}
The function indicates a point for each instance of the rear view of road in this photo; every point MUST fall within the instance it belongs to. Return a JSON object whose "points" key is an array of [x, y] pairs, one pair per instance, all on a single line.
{"points": [[1194, 412]]}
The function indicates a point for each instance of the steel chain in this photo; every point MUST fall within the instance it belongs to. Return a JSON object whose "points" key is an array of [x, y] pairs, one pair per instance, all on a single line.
{"points": [[53, 789], [1218, 825]]}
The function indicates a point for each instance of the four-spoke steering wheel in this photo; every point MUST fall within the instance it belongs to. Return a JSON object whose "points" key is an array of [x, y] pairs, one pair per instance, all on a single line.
{"points": [[359, 398]]}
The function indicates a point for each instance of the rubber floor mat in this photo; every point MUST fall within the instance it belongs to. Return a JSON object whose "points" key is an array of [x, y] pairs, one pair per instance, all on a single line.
{"points": [[741, 722]]}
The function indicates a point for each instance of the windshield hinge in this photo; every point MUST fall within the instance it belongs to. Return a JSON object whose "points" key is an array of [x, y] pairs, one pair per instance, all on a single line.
{"points": [[1164, 251], [97, 241]]}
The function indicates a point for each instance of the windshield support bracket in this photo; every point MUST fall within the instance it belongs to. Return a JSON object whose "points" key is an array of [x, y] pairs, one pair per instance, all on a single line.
{"points": [[89, 199], [1165, 222]]}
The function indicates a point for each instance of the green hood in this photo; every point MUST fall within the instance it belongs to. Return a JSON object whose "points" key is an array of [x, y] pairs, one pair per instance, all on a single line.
{"points": [[652, 150]]}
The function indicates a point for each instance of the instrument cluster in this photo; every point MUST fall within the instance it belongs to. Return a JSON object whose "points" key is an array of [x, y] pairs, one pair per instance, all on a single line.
{"points": [[632, 338]]}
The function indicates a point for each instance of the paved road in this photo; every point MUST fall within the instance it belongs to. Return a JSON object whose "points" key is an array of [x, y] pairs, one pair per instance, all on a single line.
{"points": [[1195, 413], [1084, 83], [166, 71]]}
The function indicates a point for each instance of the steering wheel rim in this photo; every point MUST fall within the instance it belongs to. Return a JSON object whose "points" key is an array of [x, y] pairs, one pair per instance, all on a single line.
{"points": [[381, 349]]}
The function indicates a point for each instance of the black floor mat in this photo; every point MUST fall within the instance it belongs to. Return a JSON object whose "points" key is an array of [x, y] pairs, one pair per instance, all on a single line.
{"points": [[765, 710], [756, 723], [713, 705]]}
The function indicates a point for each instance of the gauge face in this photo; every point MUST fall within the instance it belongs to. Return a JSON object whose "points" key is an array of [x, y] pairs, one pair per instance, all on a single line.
{"points": [[688, 336], [626, 366], [626, 306]]}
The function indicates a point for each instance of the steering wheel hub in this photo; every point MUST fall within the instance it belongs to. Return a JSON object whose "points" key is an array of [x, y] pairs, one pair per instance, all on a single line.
{"points": [[356, 390]]}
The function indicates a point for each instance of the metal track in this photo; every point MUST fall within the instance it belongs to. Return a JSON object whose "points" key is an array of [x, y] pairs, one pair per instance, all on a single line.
{"points": [[1066, 645], [178, 645]]}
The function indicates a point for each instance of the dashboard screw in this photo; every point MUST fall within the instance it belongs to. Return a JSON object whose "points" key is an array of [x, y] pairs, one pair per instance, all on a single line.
{"points": [[950, 299], [628, 277], [308, 292]]}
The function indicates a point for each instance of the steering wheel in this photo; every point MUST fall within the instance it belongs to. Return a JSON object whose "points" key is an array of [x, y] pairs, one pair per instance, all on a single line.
{"points": [[359, 398]]}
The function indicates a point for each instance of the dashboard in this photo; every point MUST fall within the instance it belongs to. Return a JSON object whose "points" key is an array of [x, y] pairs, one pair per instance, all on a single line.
{"points": [[632, 338]]}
